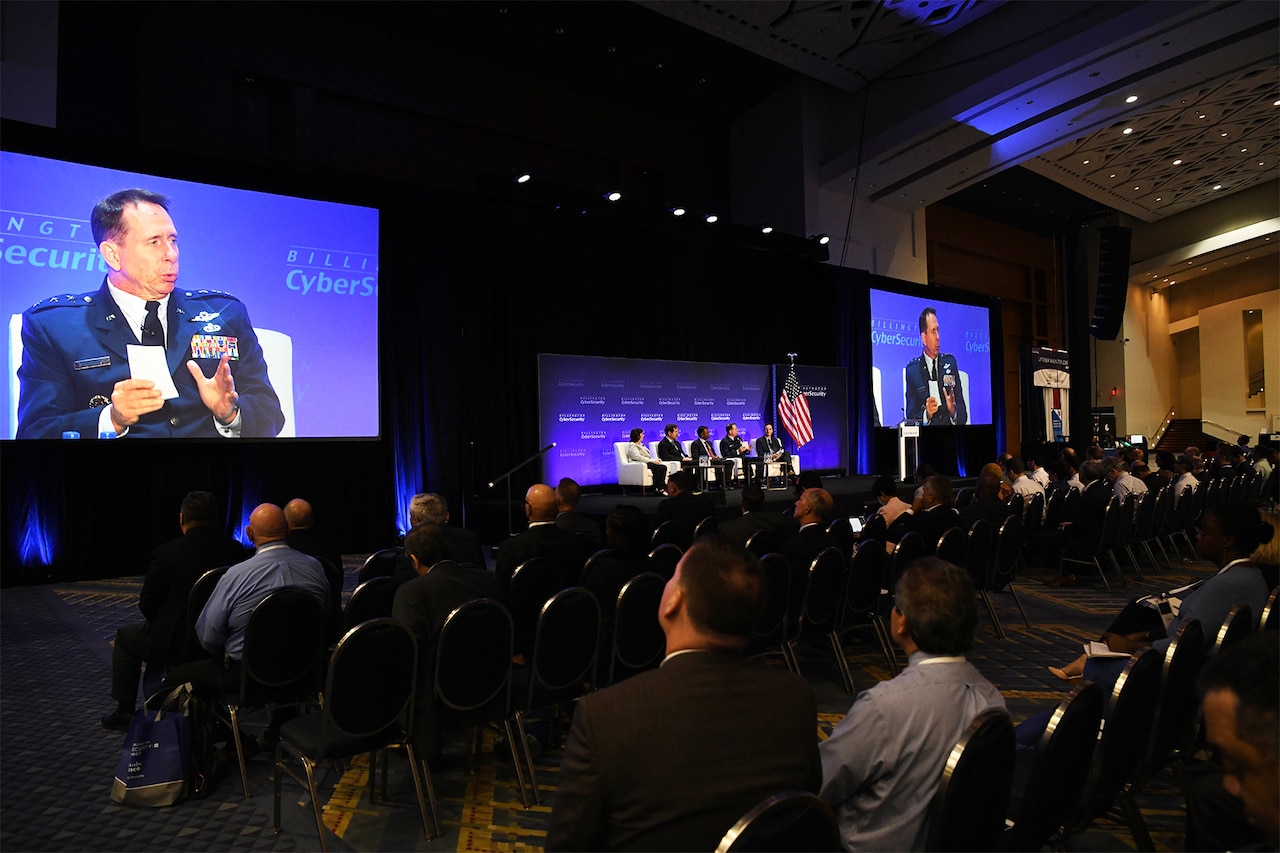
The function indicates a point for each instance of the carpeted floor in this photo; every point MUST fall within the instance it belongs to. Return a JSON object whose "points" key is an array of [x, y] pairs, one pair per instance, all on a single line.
{"points": [[57, 763]]}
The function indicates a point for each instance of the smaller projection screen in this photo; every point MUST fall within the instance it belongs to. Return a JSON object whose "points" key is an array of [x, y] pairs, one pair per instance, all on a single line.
{"points": [[941, 376], [281, 291]]}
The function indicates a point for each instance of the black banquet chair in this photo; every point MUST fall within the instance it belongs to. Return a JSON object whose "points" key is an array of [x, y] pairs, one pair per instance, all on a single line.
{"points": [[969, 808], [368, 688], [664, 558], [786, 822], [201, 590], [283, 643], [638, 639], [370, 600], [380, 564], [764, 542], [532, 583]]}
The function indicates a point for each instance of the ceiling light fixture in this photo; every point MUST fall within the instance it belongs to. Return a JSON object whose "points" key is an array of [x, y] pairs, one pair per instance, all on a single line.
{"points": [[523, 177], [766, 228], [1131, 99], [1128, 130], [822, 239], [677, 211], [1178, 162], [711, 218], [613, 195]]}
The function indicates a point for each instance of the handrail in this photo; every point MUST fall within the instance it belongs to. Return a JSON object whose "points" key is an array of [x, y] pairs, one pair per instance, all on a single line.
{"points": [[1225, 433], [1160, 431]]}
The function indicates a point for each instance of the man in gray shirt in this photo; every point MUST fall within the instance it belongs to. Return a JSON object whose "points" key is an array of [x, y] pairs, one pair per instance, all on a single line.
{"points": [[882, 763]]}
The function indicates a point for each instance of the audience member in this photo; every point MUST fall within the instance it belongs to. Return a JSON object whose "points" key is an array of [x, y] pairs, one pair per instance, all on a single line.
{"points": [[986, 503], [542, 539], [1163, 475], [462, 544], [671, 758], [1229, 535], [886, 494], [637, 452], [1078, 538], [1122, 482], [627, 536], [175, 566], [702, 446], [1267, 555], [1018, 479], [422, 604], [1241, 690], [935, 514], [770, 449], [1037, 473], [882, 762], [684, 504], [568, 518], [753, 518], [303, 536], [814, 510], [1186, 482], [221, 625], [1059, 477]]}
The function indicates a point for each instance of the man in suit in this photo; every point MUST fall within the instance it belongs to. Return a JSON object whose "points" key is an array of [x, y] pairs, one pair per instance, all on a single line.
{"points": [[770, 449], [305, 537], [174, 568], [814, 510], [1079, 538], [671, 758], [76, 373], [753, 518], [461, 543], [986, 503], [422, 604], [567, 496], [935, 515], [542, 539], [669, 449], [738, 452], [935, 374], [702, 446], [882, 762], [685, 505]]}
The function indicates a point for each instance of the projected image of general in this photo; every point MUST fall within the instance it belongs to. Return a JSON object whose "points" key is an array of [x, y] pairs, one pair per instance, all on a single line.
{"points": [[138, 357], [931, 360], [142, 307]]}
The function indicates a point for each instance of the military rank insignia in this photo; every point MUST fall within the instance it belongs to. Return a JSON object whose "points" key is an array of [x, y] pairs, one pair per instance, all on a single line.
{"points": [[214, 346]]}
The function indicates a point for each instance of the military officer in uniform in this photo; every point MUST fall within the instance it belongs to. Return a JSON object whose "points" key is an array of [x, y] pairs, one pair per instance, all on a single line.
{"points": [[75, 371], [943, 403]]}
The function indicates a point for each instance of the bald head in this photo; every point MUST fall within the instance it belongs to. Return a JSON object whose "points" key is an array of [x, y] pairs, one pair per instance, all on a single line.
{"points": [[267, 524], [297, 513], [540, 503]]}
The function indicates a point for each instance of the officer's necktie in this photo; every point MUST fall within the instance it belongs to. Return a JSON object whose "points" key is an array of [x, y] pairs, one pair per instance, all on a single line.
{"points": [[152, 331]]}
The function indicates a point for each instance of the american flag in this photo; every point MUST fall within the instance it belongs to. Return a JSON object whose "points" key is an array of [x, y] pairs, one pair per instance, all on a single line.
{"points": [[793, 408]]}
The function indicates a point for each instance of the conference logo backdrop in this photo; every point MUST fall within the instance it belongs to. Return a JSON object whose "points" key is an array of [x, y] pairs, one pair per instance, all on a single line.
{"points": [[305, 268], [586, 403], [824, 390]]}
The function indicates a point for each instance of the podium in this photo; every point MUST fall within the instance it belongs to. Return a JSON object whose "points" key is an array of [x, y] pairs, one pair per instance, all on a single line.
{"points": [[908, 449]]}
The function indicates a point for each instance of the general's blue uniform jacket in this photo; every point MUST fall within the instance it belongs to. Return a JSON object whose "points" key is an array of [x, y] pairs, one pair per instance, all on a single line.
{"points": [[918, 391], [74, 352]]}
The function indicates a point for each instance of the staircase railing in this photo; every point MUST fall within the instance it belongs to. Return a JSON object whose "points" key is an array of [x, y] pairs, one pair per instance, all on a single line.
{"points": [[1160, 431]]}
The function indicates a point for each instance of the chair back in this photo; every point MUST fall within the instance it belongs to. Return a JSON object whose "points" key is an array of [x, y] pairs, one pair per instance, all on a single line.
{"points": [[1125, 731], [1144, 519], [1033, 515], [638, 639], [824, 593], [1004, 564], [968, 811], [664, 558], [875, 528], [1017, 504], [1128, 513], [473, 655], [284, 638], [370, 600], [773, 616], [1178, 703], [784, 822], [964, 496], [380, 564], [840, 533], [764, 542], [1109, 535], [370, 677], [1055, 509], [532, 583], [708, 525], [1268, 621], [865, 574], [672, 532], [951, 546], [1070, 504], [564, 648], [978, 552], [1237, 626], [1060, 768], [201, 590], [910, 548]]}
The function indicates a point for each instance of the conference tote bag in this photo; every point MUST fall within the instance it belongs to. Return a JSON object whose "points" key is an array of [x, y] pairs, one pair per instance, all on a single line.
{"points": [[155, 759]]}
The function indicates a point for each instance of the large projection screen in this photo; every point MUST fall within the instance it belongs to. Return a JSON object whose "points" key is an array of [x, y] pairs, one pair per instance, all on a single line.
{"points": [[306, 271]]}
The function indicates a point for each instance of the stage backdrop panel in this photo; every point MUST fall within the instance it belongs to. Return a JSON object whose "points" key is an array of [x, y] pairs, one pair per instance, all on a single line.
{"points": [[826, 391], [306, 268], [586, 403]]}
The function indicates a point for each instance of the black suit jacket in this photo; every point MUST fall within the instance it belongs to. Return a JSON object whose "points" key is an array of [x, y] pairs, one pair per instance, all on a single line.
{"points": [[931, 524], [544, 540], [464, 545], [422, 605], [670, 759], [988, 507], [576, 522], [175, 567], [743, 527], [669, 450], [1091, 512], [918, 391], [686, 508]]}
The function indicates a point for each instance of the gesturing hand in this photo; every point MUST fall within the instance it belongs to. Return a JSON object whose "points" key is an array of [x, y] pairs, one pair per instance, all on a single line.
{"points": [[218, 392]]}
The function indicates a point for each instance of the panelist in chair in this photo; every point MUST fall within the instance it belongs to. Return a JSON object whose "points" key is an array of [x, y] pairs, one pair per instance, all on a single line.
{"points": [[769, 448], [935, 392], [76, 365], [637, 452], [702, 446], [733, 447]]}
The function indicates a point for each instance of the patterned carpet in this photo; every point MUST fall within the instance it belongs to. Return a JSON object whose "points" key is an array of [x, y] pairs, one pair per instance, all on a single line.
{"points": [[57, 763]]}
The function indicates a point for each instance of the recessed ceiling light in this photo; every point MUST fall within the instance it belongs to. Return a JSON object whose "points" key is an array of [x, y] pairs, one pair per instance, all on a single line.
{"points": [[711, 218], [1128, 130], [1178, 162], [1158, 198], [1244, 150], [1224, 133], [1217, 186], [1131, 99], [1137, 188]]}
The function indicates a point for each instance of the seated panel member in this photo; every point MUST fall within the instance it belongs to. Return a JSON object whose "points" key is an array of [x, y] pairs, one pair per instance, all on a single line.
{"points": [[883, 761], [703, 446], [935, 392], [769, 448], [669, 449], [75, 370], [671, 758], [738, 452], [637, 452]]}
